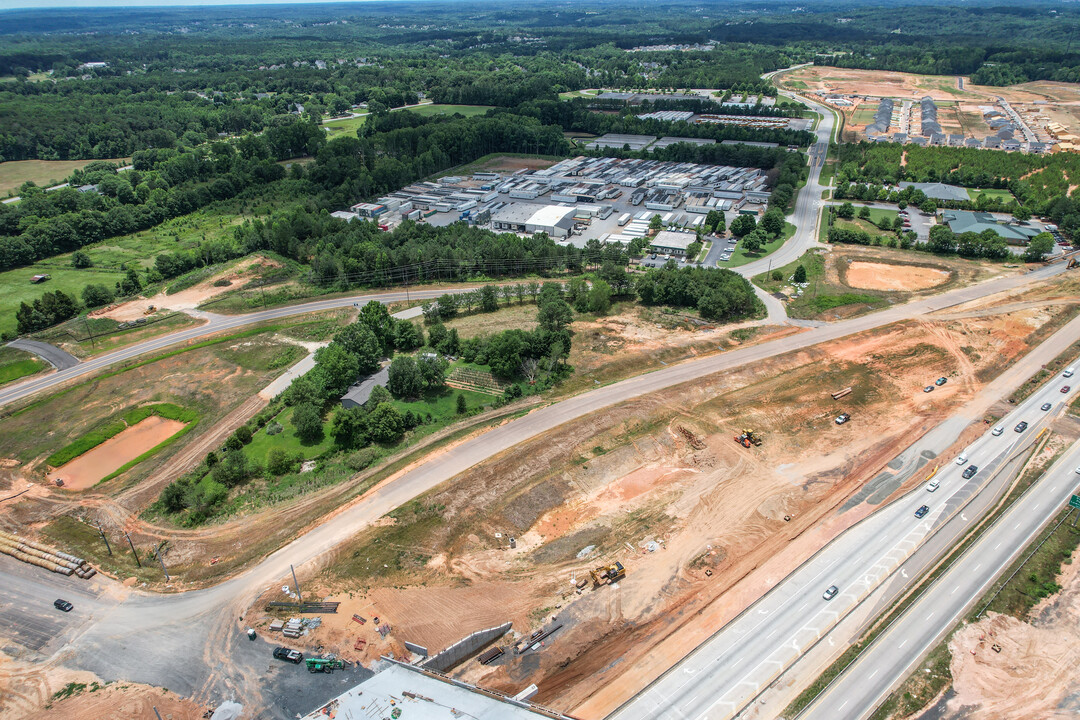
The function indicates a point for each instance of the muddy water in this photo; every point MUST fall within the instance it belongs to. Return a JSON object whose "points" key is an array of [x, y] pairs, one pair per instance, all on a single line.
{"points": [[87, 469]]}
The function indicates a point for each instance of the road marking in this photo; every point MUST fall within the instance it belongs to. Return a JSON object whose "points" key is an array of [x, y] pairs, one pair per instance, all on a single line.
{"points": [[872, 675], [842, 705], [902, 644], [976, 567], [930, 615]]}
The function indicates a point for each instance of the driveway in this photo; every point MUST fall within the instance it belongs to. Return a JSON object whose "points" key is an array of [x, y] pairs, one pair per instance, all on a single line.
{"points": [[50, 353]]}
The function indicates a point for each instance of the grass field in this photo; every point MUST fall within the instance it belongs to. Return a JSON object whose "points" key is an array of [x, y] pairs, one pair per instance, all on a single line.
{"points": [[821, 295], [15, 288], [741, 257], [348, 126], [1003, 195], [41, 172], [15, 363], [466, 110]]}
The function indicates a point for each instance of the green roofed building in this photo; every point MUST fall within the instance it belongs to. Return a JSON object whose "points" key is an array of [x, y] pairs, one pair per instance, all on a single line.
{"points": [[962, 221]]}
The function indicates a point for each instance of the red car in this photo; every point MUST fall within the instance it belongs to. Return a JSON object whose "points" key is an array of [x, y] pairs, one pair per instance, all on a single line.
{"points": [[1066, 388]]}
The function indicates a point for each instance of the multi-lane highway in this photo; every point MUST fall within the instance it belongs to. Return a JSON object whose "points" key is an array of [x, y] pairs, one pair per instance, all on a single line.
{"points": [[858, 691], [730, 670]]}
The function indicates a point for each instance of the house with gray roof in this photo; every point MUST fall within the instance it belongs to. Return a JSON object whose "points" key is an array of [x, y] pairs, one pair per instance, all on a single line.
{"points": [[359, 393]]}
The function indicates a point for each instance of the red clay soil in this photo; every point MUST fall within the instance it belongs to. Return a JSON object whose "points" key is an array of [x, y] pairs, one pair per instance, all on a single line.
{"points": [[89, 468]]}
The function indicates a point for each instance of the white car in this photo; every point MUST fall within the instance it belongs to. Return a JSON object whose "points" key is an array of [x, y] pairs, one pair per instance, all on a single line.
{"points": [[962, 459], [932, 486], [997, 431]]}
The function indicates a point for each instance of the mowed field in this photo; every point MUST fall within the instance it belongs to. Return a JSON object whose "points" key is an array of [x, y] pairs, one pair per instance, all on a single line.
{"points": [[349, 126], [41, 172]]}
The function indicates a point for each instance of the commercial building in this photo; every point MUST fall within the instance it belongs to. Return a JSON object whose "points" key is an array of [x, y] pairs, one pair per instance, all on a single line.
{"points": [[555, 220], [962, 221], [671, 242], [939, 191]]}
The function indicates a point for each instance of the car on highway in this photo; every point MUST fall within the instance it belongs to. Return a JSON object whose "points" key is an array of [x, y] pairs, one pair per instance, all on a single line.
{"points": [[928, 388], [1068, 372], [921, 512], [997, 431], [1021, 426], [284, 653], [63, 605], [842, 418], [970, 470], [831, 592], [941, 381], [962, 459], [932, 486], [1045, 406], [1066, 388]]}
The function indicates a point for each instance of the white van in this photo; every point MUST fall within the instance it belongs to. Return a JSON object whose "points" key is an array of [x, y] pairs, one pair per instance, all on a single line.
{"points": [[1068, 372], [962, 459]]}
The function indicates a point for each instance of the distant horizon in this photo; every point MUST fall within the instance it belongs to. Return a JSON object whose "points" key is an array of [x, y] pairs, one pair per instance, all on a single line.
{"points": [[95, 4]]}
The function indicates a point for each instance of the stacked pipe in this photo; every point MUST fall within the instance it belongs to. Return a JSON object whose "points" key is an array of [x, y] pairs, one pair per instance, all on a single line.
{"points": [[44, 556]]}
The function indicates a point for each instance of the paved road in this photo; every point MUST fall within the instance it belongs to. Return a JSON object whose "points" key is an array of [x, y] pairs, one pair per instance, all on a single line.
{"points": [[50, 353], [216, 324], [728, 672], [862, 687], [123, 640]]}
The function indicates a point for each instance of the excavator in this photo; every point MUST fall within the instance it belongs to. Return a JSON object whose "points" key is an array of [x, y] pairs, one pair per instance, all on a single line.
{"points": [[748, 438], [608, 574], [1073, 263]]}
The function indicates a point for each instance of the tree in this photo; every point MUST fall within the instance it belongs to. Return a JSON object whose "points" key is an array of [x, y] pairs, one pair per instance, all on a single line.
{"points": [[243, 434], [504, 353], [379, 394], [96, 295], [375, 315], [437, 335], [753, 242], [773, 221], [928, 207], [349, 426], [1021, 214], [172, 497], [448, 306], [600, 297], [233, 469], [462, 406], [799, 275], [555, 315], [385, 423], [743, 225], [489, 298], [308, 423], [864, 212], [777, 275], [360, 341], [1039, 247], [281, 462], [712, 219], [432, 368], [693, 250], [405, 380], [656, 223], [338, 367], [80, 259], [408, 336], [942, 240], [845, 211]]}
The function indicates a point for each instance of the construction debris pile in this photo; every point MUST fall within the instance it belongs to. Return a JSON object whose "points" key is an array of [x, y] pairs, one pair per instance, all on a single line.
{"points": [[44, 556], [295, 627]]}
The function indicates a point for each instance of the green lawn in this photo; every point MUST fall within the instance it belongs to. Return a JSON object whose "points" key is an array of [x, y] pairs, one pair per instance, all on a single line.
{"points": [[261, 443], [434, 109], [15, 363], [820, 295], [1003, 195], [442, 404], [15, 287], [42, 172], [741, 257], [348, 126]]}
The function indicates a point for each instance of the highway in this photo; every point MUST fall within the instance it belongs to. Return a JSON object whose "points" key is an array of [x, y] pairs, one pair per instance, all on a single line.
{"points": [[858, 691], [722, 676]]}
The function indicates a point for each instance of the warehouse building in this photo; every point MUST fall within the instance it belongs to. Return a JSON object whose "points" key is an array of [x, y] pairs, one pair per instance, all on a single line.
{"points": [[555, 220], [962, 221], [671, 242]]}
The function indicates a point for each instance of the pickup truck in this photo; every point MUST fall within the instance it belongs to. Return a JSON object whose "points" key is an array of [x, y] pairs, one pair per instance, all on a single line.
{"points": [[284, 653]]}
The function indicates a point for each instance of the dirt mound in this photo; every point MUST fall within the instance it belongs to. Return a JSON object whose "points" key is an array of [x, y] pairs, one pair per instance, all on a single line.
{"points": [[86, 470], [885, 276], [1034, 675], [128, 702]]}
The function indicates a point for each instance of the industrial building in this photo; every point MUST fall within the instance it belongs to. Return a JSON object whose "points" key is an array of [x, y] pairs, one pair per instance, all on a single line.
{"points": [[962, 221], [672, 243], [555, 220]]}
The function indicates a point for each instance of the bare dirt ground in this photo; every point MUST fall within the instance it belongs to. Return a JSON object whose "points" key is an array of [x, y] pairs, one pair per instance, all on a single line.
{"points": [[882, 276], [192, 297], [659, 484], [1034, 675], [86, 470]]}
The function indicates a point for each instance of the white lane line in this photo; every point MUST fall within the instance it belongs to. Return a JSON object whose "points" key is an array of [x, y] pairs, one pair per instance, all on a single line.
{"points": [[902, 644], [872, 675], [930, 615]]}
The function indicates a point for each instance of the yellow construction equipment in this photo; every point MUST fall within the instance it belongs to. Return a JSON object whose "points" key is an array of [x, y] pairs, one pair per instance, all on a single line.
{"points": [[1073, 263], [608, 574], [748, 438]]}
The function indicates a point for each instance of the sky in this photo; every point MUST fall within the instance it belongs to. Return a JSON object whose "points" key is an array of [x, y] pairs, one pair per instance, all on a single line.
{"points": [[13, 4]]}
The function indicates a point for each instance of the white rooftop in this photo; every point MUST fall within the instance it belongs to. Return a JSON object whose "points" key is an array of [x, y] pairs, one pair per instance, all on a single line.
{"points": [[431, 698], [550, 214], [670, 239]]}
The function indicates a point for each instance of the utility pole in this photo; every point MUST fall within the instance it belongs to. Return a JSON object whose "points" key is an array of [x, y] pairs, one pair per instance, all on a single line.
{"points": [[296, 582], [157, 551], [137, 562], [157, 713], [86, 321], [102, 533]]}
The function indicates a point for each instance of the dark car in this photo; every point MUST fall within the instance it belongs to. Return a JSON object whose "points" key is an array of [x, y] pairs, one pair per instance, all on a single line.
{"points": [[284, 653], [63, 605], [1021, 426], [1046, 406], [928, 388], [831, 592], [941, 381], [921, 512], [1066, 388], [970, 470]]}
